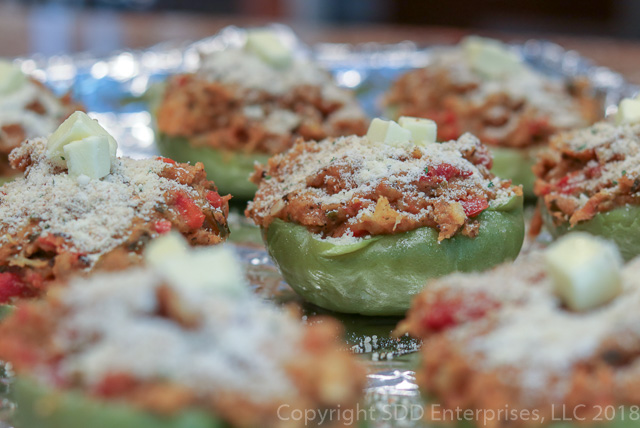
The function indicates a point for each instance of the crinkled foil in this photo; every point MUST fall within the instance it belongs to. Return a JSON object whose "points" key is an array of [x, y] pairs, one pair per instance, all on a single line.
{"points": [[113, 89]]}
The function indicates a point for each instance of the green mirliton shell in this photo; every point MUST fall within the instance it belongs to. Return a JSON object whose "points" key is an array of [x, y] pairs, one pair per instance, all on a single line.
{"points": [[515, 165], [229, 170], [382, 274], [620, 225], [39, 406]]}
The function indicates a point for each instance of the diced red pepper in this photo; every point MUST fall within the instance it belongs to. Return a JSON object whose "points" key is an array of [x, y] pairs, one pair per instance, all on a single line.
{"points": [[188, 209], [360, 233], [214, 199], [473, 207], [115, 384], [166, 160], [564, 186], [441, 316], [10, 286], [447, 171], [181, 80], [162, 226], [445, 314]]}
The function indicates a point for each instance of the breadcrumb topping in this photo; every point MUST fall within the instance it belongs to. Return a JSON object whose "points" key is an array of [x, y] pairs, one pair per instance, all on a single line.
{"points": [[95, 217], [350, 187], [590, 170]]}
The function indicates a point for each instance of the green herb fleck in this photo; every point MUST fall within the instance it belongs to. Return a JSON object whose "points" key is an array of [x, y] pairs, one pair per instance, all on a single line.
{"points": [[615, 183], [426, 170], [624, 172], [594, 131], [267, 177], [582, 147], [490, 184], [332, 159], [62, 157]]}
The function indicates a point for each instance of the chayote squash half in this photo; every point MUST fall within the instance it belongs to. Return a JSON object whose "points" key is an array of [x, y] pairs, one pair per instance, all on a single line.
{"points": [[515, 165], [381, 275], [229, 170], [43, 407], [620, 225]]}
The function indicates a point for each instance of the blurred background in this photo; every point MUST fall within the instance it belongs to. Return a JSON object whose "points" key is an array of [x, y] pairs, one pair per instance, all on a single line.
{"points": [[607, 29]]}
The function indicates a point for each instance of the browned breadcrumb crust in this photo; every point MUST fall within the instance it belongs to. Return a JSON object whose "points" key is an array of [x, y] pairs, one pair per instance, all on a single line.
{"points": [[31, 258], [456, 314], [11, 135], [325, 374], [321, 186], [432, 93], [589, 171], [211, 114]]}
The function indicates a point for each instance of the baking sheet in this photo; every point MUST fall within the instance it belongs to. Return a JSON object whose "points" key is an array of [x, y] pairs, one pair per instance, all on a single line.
{"points": [[113, 89]]}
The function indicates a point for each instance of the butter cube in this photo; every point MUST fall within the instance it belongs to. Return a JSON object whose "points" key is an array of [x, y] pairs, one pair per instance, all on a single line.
{"points": [[490, 58], [387, 132], [89, 156], [77, 127], [422, 130], [628, 112], [585, 270], [268, 46], [164, 248], [11, 77], [212, 268]]}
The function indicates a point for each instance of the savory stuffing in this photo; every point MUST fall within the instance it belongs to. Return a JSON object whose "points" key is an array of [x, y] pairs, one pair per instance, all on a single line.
{"points": [[238, 102], [519, 110], [165, 347], [53, 225], [29, 112], [503, 340], [351, 187], [589, 171]]}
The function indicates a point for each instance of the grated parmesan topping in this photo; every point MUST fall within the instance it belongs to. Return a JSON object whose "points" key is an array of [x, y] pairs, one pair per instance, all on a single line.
{"points": [[250, 73], [240, 344], [540, 91], [13, 110], [95, 217], [531, 340], [363, 166], [616, 152]]}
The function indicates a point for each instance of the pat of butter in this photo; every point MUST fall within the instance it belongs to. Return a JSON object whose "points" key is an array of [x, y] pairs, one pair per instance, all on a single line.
{"points": [[11, 77], [387, 132], [585, 270], [628, 111], [422, 130], [268, 46], [89, 156], [215, 269], [77, 127], [491, 58], [165, 247]]}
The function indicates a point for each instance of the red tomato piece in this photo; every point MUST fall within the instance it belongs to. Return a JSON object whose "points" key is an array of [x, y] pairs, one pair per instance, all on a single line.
{"points": [[191, 213], [214, 199], [162, 226], [447, 171], [473, 207], [10, 286], [166, 160]]}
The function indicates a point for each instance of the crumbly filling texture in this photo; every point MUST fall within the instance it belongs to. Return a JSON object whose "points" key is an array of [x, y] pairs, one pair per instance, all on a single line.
{"points": [[167, 346], [505, 331], [518, 110], [238, 102], [53, 225], [29, 112], [350, 187], [588, 171]]}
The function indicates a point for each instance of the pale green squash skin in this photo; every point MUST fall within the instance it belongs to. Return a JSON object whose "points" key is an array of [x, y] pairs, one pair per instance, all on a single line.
{"points": [[229, 170], [515, 165], [620, 225], [381, 275], [42, 407]]}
